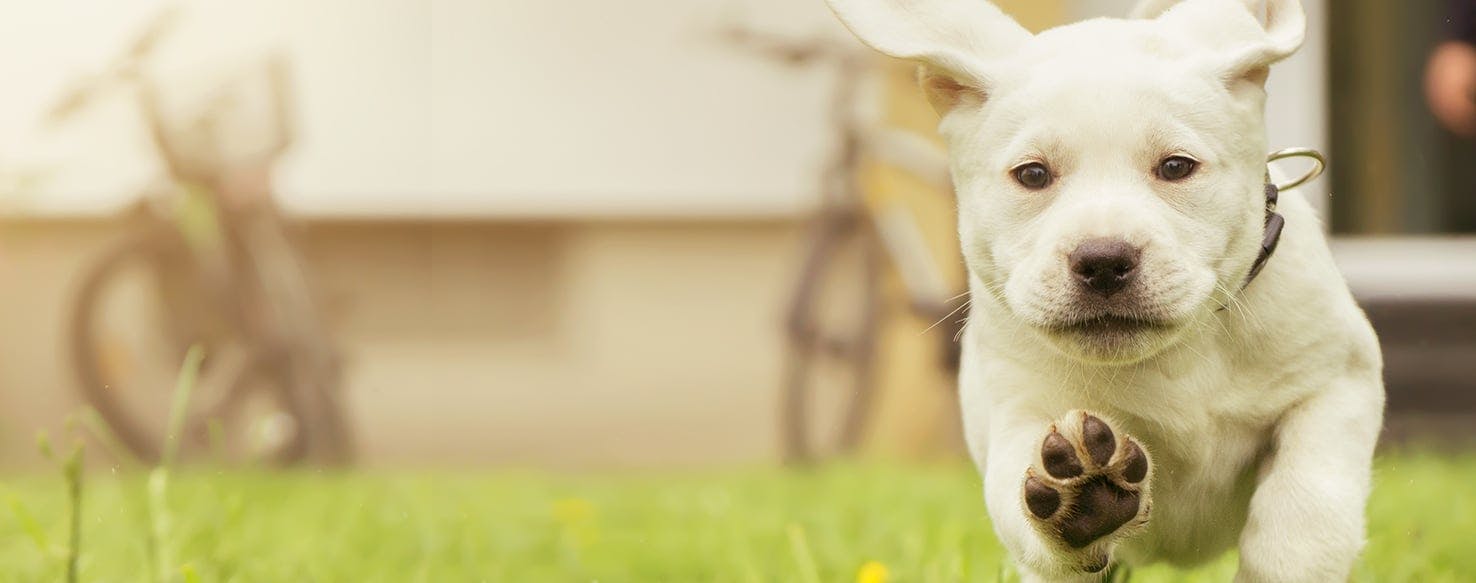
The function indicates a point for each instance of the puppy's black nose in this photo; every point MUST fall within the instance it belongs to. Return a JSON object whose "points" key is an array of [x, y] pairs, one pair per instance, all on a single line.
{"points": [[1104, 265]]}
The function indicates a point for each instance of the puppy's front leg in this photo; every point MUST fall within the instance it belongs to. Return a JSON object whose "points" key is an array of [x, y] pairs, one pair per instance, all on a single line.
{"points": [[1063, 493], [1306, 517]]}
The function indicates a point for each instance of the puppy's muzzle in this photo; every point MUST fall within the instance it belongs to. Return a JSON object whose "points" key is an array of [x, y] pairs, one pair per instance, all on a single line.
{"points": [[1104, 266]]}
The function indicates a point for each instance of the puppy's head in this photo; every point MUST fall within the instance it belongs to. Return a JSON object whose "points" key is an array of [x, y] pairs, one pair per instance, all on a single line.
{"points": [[1109, 173]]}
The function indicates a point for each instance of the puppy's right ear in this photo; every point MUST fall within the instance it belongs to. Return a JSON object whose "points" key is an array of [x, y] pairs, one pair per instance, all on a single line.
{"points": [[1244, 37], [955, 40]]}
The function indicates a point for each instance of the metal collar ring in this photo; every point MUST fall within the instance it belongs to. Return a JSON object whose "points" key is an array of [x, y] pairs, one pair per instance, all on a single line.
{"points": [[1319, 164]]}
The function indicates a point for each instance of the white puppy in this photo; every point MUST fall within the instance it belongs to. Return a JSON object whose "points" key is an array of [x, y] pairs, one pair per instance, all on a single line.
{"points": [[1131, 393]]}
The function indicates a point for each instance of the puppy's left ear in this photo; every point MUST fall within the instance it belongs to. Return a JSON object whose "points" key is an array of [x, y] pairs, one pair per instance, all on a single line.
{"points": [[1248, 36], [958, 42], [1151, 8]]}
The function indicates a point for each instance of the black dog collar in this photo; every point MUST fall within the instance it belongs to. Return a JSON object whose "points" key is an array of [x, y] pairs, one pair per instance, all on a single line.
{"points": [[1274, 221]]}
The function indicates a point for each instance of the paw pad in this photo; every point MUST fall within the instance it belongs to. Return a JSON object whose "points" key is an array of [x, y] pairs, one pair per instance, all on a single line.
{"points": [[1092, 483]]}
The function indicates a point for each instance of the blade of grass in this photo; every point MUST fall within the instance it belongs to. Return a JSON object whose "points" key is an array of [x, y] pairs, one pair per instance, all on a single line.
{"points": [[216, 433], [160, 521], [800, 547], [72, 470], [43, 445], [103, 433], [184, 386], [28, 524]]}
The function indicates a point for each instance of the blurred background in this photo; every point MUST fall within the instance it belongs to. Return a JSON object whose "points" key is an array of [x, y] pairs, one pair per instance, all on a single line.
{"points": [[588, 234]]}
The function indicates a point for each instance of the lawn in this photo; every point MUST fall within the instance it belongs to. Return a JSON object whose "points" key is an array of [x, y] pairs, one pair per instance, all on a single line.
{"points": [[916, 522]]}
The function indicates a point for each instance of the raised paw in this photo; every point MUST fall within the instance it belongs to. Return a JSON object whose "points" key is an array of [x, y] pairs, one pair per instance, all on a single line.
{"points": [[1090, 482]]}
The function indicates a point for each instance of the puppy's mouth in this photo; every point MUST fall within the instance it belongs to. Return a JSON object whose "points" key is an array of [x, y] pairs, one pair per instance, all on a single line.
{"points": [[1110, 338], [1109, 325]]}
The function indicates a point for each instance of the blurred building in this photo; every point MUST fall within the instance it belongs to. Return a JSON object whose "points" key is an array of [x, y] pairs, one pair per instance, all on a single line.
{"points": [[563, 233], [522, 213]]}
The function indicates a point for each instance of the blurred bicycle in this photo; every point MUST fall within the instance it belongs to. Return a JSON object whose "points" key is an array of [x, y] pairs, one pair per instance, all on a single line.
{"points": [[836, 306], [209, 261]]}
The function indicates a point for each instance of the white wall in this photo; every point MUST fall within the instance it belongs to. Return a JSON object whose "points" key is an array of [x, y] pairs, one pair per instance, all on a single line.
{"points": [[485, 108], [448, 107], [628, 107]]}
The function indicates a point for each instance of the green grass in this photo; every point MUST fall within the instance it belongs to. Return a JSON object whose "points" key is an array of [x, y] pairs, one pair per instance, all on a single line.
{"points": [[923, 522]]}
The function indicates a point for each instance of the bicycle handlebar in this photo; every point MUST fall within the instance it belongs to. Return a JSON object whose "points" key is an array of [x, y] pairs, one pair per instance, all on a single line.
{"points": [[125, 70], [183, 159], [792, 51]]}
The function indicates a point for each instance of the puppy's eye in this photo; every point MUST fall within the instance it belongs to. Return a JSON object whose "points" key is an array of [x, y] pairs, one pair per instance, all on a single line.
{"points": [[1033, 175], [1176, 168]]}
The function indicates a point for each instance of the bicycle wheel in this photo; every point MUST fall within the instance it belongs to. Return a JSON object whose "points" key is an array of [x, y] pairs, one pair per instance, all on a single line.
{"points": [[308, 358], [137, 312], [264, 414], [326, 428], [832, 341]]}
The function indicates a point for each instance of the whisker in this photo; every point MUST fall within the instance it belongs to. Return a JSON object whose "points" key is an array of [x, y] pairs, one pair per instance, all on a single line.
{"points": [[946, 316]]}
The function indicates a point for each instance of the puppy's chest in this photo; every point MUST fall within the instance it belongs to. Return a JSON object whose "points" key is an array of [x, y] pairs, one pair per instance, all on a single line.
{"points": [[1200, 394], [1203, 481], [1205, 449], [1208, 427]]}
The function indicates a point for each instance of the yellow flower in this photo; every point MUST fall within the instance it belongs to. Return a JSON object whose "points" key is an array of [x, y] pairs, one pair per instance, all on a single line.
{"points": [[577, 521], [573, 510], [871, 572]]}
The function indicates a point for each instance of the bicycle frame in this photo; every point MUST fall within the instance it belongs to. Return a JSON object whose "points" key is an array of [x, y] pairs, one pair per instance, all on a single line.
{"points": [[232, 235], [886, 231]]}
